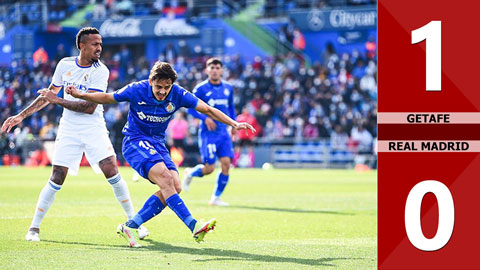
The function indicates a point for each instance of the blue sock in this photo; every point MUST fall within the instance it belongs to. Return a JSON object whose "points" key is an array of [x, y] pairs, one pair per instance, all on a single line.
{"points": [[152, 207], [222, 181], [132, 224], [178, 206], [197, 171]]}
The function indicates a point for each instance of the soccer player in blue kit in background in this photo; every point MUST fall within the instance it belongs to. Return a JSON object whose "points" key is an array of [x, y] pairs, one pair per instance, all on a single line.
{"points": [[152, 104], [214, 138]]}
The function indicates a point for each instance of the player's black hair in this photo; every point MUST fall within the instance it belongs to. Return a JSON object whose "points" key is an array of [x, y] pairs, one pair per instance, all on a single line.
{"points": [[85, 32], [162, 71], [214, 61]]}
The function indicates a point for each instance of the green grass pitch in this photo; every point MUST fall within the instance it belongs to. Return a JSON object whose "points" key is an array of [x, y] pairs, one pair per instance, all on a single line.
{"points": [[277, 219]]}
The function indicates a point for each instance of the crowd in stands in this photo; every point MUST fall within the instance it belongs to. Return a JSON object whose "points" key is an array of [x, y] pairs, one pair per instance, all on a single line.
{"points": [[118, 8], [335, 99], [33, 12], [275, 8], [54, 11]]}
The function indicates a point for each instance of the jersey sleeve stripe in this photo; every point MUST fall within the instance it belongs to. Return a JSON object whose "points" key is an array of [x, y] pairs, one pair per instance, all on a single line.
{"points": [[56, 85], [94, 89]]}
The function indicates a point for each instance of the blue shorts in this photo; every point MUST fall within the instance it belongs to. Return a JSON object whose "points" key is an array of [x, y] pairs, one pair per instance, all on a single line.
{"points": [[212, 147], [142, 153]]}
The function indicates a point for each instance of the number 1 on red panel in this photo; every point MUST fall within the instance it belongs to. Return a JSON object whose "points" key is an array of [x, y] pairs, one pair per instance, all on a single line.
{"points": [[432, 33]]}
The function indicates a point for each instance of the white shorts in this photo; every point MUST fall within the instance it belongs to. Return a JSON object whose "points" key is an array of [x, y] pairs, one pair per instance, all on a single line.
{"points": [[70, 146]]}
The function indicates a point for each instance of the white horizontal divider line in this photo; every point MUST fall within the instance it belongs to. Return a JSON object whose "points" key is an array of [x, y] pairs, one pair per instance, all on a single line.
{"points": [[453, 117], [449, 146]]}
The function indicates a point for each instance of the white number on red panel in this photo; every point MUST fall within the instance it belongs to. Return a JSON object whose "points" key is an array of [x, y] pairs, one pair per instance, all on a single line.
{"points": [[432, 33], [446, 215]]}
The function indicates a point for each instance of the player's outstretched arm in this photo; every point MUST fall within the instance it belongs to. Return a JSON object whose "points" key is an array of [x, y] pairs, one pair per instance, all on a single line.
{"points": [[96, 97], [38, 104], [218, 115], [76, 106]]}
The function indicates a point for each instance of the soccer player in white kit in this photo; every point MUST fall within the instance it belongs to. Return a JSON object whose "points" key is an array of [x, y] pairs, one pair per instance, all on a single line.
{"points": [[82, 127]]}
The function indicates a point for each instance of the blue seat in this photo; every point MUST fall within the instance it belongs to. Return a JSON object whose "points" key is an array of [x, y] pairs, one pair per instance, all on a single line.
{"points": [[62, 15], [53, 15]]}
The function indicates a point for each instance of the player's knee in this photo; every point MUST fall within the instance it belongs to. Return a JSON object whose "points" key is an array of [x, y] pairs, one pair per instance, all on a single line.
{"points": [[208, 169], [111, 172], [165, 179], [57, 179], [108, 167], [225, 168], [178, 188], [176, 183], [58, 175]]}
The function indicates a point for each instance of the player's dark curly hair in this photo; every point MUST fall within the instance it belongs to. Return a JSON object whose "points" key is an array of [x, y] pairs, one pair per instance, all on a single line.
{"points": [[83, 33], [162, 71], [214, 61]]}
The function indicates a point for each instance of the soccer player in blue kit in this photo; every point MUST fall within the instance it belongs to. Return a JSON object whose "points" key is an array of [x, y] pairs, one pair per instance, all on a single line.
{"points": [[152, 104], [214, 138]]}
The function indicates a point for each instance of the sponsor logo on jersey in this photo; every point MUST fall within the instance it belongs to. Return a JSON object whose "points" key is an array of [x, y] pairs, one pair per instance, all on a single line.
{"points": [[153, 151], [170, 107], [142, 103], [69, 74], [79, 87], [153, 118], [141, 115], [209, 93], [85, 78], [212, 102]]}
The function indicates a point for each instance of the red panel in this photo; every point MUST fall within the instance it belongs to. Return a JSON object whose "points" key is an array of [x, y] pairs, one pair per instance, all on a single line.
{"points": [[397, 174], [402, 89]]}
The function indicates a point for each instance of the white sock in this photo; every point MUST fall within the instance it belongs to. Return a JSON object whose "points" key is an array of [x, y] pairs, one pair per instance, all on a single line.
{"points": [[47, 195], [120, 189]]}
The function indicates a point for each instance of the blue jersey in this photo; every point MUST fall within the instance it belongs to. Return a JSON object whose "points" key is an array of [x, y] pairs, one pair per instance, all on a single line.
{"points": [[148, 116], [219, 96]]}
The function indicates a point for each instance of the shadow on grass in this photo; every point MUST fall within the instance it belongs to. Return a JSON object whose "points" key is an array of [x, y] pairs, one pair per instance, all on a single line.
{"points": [[290, 210], [216, 254], [226, 255], [86, 244]]}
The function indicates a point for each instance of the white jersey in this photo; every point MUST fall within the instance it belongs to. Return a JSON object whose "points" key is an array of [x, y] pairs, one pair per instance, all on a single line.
{"points": [[90, 78]]}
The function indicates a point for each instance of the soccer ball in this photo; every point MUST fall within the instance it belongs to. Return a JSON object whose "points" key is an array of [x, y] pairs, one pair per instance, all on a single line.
{"points": [[267, 166]]}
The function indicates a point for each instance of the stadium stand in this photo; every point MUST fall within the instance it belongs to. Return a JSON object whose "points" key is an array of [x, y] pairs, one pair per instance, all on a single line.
{"points": [[299, 104]]}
